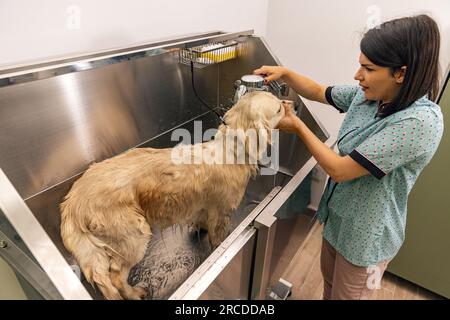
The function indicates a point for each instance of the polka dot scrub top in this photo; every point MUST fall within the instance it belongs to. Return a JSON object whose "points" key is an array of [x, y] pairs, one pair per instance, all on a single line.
{"points": [[365, 218]]}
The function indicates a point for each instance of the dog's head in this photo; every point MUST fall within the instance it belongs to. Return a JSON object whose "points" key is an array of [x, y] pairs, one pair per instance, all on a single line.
{"points": [[255, 110]]}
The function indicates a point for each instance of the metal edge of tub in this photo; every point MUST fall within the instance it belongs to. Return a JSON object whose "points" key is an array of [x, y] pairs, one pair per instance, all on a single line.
{"points": [[67, 64], [208, 271], [55, 271]]}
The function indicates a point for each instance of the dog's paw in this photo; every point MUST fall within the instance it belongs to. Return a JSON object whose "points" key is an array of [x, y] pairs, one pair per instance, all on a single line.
{"points": [[141, 292], [136, 293]]}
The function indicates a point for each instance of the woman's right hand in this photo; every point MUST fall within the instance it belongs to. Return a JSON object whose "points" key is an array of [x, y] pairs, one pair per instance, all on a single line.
{"points": [[271, 73]]}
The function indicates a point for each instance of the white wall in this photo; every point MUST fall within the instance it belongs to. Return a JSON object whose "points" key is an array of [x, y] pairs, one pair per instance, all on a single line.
{"points": [[320, 38], [32, 30]]}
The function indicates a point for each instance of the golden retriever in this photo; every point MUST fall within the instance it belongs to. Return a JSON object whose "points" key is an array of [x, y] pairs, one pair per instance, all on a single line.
{"points": [[106, 217]]}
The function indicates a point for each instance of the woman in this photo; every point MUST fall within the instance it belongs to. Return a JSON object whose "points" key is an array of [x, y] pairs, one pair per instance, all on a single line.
{"points": [[390, 133]]}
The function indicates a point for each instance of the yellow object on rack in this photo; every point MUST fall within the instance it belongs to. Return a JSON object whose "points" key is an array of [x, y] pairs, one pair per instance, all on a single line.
{"points": [[210, 54], [218, 52]]}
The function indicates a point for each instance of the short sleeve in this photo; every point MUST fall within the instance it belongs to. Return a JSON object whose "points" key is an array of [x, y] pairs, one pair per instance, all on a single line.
{"points": [[397, 144], [341, 97]]}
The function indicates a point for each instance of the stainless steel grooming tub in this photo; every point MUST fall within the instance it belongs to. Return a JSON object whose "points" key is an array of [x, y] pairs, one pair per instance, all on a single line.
{"points": [[57, 117]]}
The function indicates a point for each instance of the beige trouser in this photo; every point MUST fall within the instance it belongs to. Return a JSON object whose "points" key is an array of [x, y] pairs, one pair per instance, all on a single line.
{"points": [[345, 281]]}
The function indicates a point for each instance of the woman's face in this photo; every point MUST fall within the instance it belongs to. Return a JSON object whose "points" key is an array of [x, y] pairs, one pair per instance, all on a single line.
{"points": [[377, 82]]}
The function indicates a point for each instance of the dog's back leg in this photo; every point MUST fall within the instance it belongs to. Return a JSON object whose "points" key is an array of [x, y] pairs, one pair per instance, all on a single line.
{"points": [[91, 255], [95, 263], [102, 278], [136, 235], [120, 270], [218, 225]]}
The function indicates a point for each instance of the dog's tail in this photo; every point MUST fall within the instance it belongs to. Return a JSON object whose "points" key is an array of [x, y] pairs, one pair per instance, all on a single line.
{"points": [[92, 254]]}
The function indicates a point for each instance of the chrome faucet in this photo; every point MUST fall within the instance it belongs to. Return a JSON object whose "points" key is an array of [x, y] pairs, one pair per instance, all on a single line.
{"points": [[250, 82]]}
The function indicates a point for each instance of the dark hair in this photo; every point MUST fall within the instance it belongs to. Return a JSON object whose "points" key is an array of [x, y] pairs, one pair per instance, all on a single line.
{"points": [[413, 42]]}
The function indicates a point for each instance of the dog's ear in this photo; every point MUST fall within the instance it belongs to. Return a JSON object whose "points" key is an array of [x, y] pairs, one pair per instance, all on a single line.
{"points": [[264, 131], [264, 136], [231, 116]]}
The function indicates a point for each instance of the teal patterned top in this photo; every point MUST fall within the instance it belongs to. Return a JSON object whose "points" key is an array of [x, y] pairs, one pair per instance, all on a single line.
{"points": [[365, 218]]}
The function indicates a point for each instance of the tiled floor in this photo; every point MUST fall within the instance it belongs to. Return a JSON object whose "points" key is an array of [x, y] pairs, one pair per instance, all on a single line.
{"points": [[304, 273]]}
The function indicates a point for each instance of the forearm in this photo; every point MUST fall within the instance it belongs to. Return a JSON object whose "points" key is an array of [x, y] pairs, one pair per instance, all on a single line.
{"points": [[304, 86], [327, 158], [339, 168]]}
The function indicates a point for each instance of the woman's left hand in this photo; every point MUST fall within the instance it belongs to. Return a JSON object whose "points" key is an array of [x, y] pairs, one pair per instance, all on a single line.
{"points": [[290, 122]]}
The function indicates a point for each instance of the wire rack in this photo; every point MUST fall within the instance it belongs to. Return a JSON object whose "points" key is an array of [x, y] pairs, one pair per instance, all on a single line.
{"points": [[210, 53]]}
